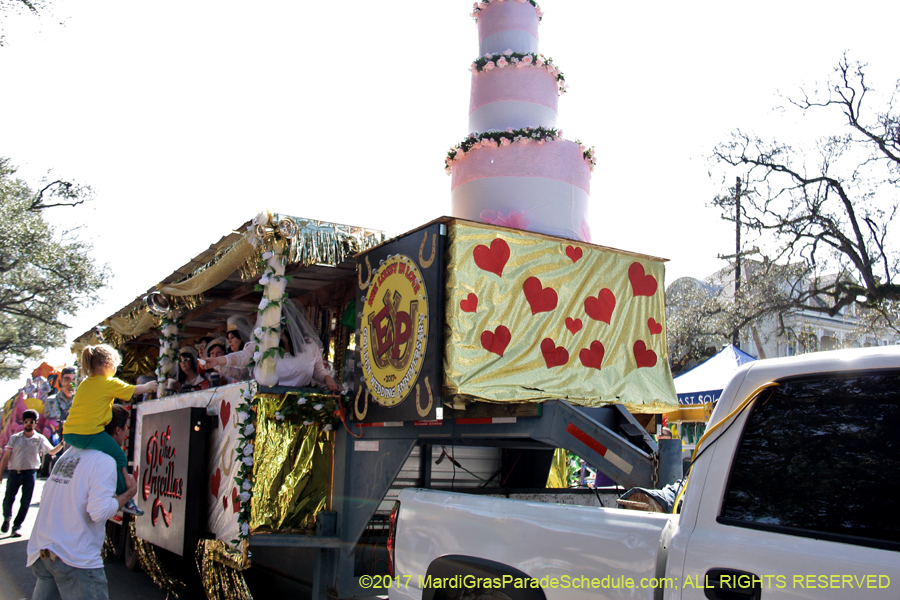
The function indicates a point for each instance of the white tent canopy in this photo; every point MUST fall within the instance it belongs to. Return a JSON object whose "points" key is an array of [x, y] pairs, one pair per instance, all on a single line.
{"points": [[704, 383]]}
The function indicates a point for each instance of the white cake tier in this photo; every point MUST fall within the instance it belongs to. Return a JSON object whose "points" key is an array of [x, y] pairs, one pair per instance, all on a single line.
{"points": [[513, 97], [509, 25], [542, 188], [508, 114]]}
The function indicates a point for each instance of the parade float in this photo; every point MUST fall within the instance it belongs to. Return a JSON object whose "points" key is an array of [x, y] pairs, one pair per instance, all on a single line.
{"points": [[37, 394], [469, 350]]}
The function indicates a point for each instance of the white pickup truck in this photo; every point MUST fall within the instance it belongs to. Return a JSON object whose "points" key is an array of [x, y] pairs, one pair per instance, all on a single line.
{"points": [[795, 495]]}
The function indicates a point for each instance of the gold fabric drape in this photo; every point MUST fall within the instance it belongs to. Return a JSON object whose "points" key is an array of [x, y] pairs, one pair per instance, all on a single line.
{"points": [[215, 274], [532, 318], [134, 325], [290, 470]]}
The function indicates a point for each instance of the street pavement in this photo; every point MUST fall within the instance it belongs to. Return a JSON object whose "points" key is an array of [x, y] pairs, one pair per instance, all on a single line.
{"points": [[17, 582]]}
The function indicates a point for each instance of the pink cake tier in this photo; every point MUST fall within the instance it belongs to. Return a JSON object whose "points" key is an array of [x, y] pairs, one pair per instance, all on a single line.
{"points": [[543, 188], [513, 97], [507, 24]]}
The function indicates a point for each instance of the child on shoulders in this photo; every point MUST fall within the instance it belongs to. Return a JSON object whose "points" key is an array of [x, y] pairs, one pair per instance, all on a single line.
{"points": [[92, 409]]}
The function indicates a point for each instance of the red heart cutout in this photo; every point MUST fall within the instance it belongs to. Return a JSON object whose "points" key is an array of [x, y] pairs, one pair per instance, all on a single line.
{"points": [[540, 298], [554, 356], [653, 326], [470, 304], [234, 503], [224, 502], [573, 325], [643, 356], [601, 307], [214, 482], [225, 413], [496, 341], [641, 285], [492, 259], [592, 357], [574, 253]]}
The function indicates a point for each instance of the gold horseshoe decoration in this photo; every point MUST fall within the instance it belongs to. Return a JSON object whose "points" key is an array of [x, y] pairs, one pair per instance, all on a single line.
{"points": [[363, 285], [361, 415], [423, 412], [227, 466], [427, 263]]}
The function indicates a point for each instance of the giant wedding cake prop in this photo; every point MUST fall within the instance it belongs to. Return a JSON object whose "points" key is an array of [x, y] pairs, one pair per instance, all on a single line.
{"points": [[515, 169], [507, 301]]}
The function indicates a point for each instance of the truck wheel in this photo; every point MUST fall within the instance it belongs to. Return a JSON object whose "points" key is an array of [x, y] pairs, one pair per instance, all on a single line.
{"points": [[130, 554], [116, 535]]}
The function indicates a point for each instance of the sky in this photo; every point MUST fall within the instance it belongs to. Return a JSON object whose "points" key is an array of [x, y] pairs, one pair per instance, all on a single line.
{"points": [[188, 118]]}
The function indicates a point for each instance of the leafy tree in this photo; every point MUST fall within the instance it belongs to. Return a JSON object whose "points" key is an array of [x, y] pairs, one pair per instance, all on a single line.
{"points": [[44, 275], [702, 316], [828, 212]]}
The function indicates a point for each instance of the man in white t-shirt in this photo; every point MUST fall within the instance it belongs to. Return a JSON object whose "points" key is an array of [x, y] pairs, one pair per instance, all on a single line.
{"points": [[22, 455], [78, 498]]}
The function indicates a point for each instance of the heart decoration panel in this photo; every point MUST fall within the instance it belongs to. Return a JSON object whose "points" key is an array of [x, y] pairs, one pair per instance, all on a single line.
{"points": [[533, 318]]}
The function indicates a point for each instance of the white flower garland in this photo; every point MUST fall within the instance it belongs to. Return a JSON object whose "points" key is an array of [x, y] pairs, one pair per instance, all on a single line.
{"points": [[267, 351], [246, 415], [517, 60], [526, 135], [168, 347]]}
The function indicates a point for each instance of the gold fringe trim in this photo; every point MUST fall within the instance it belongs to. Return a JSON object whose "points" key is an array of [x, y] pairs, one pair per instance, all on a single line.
{"points": [[151, 564], [220, 571]]}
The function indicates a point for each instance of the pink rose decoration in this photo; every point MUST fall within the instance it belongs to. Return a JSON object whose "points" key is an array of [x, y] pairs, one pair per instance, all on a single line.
{"points": [[507, 52], [502, 63], [505, 142], [521, 64], [528, 59], [489, 65], [524, 140]]}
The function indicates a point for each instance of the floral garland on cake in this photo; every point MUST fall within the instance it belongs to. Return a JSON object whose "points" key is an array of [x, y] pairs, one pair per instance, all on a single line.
{"points": [[526, 135], [480, 6], [511, 59]]}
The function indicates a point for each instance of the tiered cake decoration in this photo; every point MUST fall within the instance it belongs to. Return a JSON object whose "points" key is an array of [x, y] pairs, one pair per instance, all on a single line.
{"points": [[515, 169]]}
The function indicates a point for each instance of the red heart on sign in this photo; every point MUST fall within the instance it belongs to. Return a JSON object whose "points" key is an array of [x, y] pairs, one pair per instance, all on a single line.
{"points": [[554, 356], [641, 285], [653, 326], [540, 299], [225, 413], [496, 341], [470, 304], [573, 325], [234, 503], [214, 482], [574, 253], [601, 307], [643, 356], [492, 259], [592, 357]]}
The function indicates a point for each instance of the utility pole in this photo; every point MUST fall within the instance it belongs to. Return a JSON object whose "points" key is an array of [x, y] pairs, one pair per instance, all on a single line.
{"points": [[735, 337]]}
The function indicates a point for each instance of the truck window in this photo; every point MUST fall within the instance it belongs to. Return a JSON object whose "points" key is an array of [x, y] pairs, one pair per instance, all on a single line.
{"points": [[820, 457]]}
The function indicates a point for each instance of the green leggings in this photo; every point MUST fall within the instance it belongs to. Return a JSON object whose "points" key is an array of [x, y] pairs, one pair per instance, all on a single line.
{"points": [[104, 443]]}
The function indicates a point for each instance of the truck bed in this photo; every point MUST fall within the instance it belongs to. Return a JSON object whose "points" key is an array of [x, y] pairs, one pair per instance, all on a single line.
{"points": [[487, 528]]}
